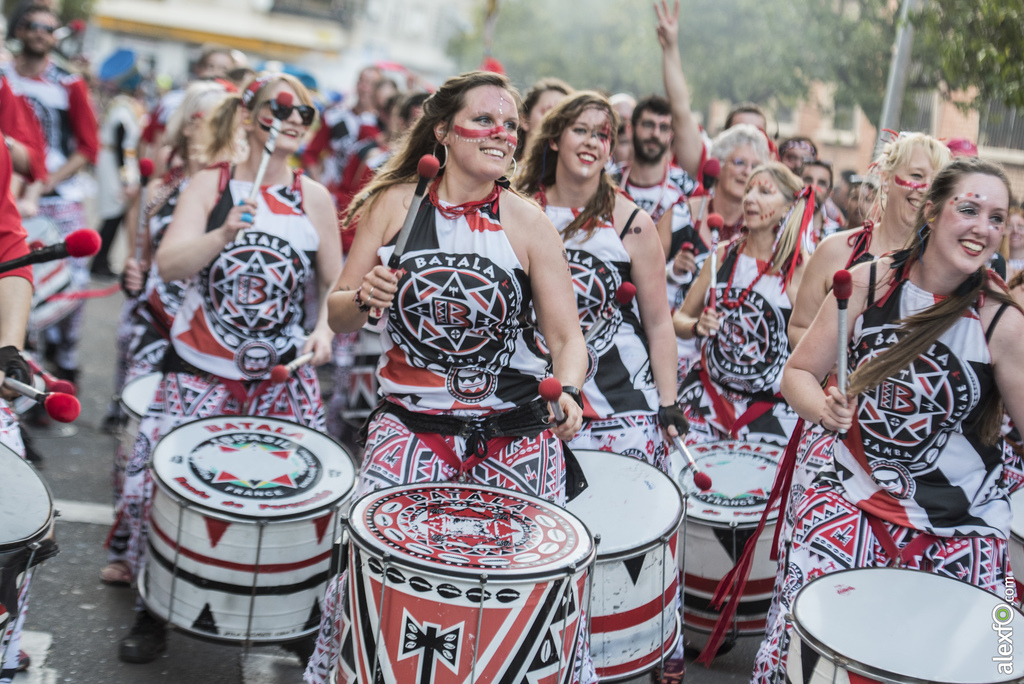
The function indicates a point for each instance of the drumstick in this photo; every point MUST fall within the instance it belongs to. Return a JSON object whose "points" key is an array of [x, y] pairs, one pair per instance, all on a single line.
{"points": [[623, 296], [426, 169], [63, 408], [280, 372], [550, 391], [145, 171], [842, 287], [712, 167], [52, 384], [715, 224], [700, 478], [283, 101]]}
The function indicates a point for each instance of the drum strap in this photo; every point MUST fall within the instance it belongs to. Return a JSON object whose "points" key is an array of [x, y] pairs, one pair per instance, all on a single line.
{"points": [[915, 547], [724, 411], [244, 392]]}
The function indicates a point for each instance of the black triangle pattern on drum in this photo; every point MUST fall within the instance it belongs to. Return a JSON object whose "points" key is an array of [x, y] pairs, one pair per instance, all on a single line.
{"points": [[634, 565], [205, 621], [733, 540], [314, 616]]}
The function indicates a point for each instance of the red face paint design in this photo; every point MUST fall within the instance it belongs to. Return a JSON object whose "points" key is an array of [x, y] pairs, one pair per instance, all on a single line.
{"points": [[484, 133], [910, 185]]}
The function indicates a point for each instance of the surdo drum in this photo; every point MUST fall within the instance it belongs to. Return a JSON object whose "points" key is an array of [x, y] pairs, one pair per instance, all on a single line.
{"points": [[1016, 542], [636, 510], [244, 514], [719, 522], [26, 520], [52, 279], [898, 625], [465, 584], [136, 396]]}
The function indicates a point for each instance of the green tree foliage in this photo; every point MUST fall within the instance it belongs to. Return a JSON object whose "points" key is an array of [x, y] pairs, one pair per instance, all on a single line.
{"points": [[739, 50], [977, 43]]}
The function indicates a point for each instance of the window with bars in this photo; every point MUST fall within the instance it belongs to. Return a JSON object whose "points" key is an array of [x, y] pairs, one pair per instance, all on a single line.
{"points": [[1002, 127], [342, 11]]}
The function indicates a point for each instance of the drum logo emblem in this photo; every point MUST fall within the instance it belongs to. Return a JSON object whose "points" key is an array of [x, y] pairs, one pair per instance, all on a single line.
{"points": [[431, 645], [470, 385], [751, 347], [255, 466]]}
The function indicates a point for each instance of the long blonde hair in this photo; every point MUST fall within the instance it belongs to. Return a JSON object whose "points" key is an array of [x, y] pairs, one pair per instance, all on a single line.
{"points": [[541, 161], [788, 242], [894, 155]]}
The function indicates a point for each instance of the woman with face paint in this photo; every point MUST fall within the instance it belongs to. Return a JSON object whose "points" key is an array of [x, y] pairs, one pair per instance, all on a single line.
{"points": [[459, 383], [629, 395], [905, 169], [922, 482], [732, 392]]}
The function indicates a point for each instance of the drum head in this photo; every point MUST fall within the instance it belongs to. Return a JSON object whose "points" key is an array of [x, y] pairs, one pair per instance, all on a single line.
{"points": [[741, 475], [253, 467], [907, 626], [628, 502], [26, 508], [450, 528], [138, 394]]}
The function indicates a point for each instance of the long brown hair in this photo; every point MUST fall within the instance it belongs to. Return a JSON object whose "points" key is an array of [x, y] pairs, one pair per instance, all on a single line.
{"points": [[439, 108], [924, 328], [541, 161]]}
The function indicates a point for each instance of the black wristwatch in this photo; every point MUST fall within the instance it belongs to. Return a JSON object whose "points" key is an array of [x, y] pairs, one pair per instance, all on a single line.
{"points": [[574, 392]]}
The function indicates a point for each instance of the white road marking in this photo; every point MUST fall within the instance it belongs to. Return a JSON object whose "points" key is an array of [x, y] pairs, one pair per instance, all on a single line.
{"points": [[84, 512], [37, 645]]}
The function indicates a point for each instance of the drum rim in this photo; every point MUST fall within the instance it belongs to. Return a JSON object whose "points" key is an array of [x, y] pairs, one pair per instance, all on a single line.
{"points": [[128, 408], [855, 666], [42, 532], [585, 563], [345, 496], [662, 538], [772, 515]]}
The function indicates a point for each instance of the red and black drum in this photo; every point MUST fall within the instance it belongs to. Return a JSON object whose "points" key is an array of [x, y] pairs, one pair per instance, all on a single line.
{"points": [[244, 515], [634, 511], [906, 626], [455, 583], [719, 522]]}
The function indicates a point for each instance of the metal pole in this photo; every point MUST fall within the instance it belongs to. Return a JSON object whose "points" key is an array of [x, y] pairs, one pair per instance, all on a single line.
{"points": [[897, 82]]}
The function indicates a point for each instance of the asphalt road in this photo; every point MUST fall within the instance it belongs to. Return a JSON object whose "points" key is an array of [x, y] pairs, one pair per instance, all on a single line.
{"points": [[75, 621]]}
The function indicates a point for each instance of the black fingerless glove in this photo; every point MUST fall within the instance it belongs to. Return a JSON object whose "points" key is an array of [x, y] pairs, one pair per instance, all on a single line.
{"points": [[14, 366], [673, 415]]}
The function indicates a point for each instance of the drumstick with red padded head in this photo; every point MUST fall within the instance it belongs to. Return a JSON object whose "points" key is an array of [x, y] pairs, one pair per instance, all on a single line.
{"points": [[281, 372], [842, 288], [712, 167], [715, 223], [82, 243], [624, 295], [52, 384], [63, 408], [426, 168], [700, 478], [283, 102], [550, 391], [145, 171]]}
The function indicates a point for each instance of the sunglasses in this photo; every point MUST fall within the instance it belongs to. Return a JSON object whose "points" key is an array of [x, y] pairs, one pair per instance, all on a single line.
{"points": [[306, 113], [36, 26]]}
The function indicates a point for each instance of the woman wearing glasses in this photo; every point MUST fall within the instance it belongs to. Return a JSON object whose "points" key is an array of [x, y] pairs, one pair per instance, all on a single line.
{"points": [[225, 339]]}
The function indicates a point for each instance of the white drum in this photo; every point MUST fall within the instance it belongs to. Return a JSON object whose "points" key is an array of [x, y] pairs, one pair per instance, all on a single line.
{"points": [[244, 515], [457, 584], [136, 396], [635, 511], [50, 278], [362, 379], [1016, 541], [719, 522], [897, 625]]}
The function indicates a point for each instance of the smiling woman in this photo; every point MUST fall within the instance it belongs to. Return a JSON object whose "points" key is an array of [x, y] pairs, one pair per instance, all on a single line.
{"points": [[922, 477]]}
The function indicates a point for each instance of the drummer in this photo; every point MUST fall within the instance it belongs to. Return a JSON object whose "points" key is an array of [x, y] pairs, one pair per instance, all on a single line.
{"points": [[919, 481], [222, 345], [732, 392], [454, 360]]}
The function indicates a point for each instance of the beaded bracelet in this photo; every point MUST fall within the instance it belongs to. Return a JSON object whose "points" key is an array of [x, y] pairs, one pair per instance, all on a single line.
{"points": [[363, 306]]}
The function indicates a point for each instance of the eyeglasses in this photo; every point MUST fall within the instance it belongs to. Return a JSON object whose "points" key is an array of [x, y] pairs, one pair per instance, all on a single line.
{"points": [[741, 163], [36, 26], [306, 113]]}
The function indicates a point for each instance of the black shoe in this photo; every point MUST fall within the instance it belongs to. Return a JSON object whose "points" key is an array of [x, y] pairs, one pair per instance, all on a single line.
{"points": [[302, 648], [111, 424], [146, 640]]}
